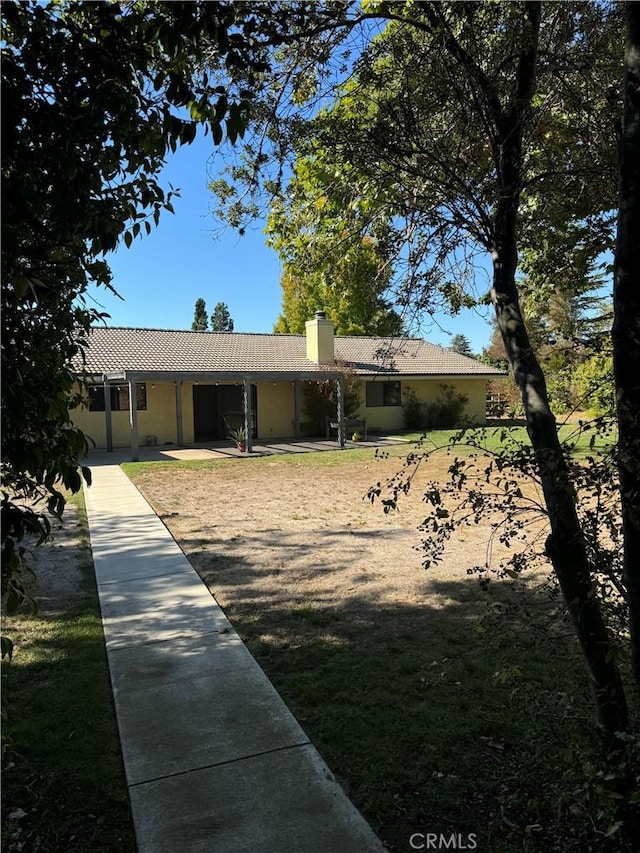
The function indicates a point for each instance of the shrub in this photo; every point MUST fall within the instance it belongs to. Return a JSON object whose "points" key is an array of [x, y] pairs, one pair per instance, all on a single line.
{"points": [[320, 400], [594, 379], [444, 412], [412, 409]]}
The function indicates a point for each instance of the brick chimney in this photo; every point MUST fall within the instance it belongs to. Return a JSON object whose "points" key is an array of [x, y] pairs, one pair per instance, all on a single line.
{"points": [[319, 333]]}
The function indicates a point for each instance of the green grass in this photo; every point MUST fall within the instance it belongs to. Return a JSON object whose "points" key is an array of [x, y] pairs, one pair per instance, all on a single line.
{"points": [[313, 459], [61, 753], [491, 439]]}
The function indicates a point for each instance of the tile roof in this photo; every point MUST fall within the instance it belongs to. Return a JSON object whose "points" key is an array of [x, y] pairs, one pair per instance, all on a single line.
{"points": [[114, 349]]}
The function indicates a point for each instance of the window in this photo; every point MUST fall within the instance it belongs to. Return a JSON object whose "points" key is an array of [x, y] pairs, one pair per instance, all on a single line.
{"points": [[119, 397], [383, 394]]}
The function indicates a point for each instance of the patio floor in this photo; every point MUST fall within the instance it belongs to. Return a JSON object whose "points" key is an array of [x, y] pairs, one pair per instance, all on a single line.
{"points": [[224, 450]]}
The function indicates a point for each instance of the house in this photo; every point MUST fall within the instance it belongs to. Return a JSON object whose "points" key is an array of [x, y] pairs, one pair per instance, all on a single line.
{"points": [[190, 386]]}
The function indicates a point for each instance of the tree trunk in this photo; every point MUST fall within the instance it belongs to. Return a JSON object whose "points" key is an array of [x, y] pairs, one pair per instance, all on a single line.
{"points": [[565, 545], [626, 328]]}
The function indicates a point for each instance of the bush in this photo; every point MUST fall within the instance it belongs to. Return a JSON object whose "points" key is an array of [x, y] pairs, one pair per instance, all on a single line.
{"points": [[412, 409], [594, 380], [320, 401], [445, 412]]}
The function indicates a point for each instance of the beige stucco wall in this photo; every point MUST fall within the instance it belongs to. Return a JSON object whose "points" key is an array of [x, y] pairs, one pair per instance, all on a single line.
{"points": [[275, 415], [386, 418], [159, 419], [275, 411]]}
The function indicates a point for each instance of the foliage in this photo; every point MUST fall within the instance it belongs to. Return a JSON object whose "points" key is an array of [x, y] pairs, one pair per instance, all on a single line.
{"points": [[320, 400], [460, 344], [479, 138], [594, 384], [347, 278], [94, 99], [200, 316], [237, 434], [445, 412], [221, 320]]}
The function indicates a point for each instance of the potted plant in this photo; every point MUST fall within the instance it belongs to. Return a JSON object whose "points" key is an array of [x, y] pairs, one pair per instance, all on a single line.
{"points": [[239, 436]]}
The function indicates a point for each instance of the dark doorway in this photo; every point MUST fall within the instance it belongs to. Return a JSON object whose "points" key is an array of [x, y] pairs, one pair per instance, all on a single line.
{"points": [[218, 407], [205, 413]]}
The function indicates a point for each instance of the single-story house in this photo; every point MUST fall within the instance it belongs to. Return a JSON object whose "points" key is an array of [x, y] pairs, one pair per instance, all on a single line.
{"points": [[189, 386]]}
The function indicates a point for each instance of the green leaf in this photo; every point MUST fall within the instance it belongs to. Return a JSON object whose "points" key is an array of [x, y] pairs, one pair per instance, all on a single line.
{"points": [[6, 648], [217, 133]]}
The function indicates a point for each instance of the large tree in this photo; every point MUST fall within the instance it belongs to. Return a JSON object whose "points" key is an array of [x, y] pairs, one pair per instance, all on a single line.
{"points": [[626, 328], [95, 96], [221, 320], [341, 269], [200, 316], [471, 128]]}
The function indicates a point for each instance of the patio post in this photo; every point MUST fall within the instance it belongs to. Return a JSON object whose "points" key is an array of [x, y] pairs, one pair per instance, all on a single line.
{"points": [[133, 420], [246, 405], [179, 436], [296, 408], [340, 401], [107, 416]]}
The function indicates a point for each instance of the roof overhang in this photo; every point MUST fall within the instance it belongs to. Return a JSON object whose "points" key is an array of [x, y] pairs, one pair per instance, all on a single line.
{"points": [[217, 376], [418, 376]]}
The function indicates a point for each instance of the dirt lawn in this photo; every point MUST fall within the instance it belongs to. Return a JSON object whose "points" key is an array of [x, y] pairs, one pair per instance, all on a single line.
{"points": [[368, 649], [303, 533]]}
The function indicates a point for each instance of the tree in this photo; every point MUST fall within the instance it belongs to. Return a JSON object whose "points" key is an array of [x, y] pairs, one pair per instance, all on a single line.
{"points": [[349, 290], [221, 320], [485, 125], [200, 316], [320, 400], [327, 269], [460, 344], [95, 97], [626, 326]]}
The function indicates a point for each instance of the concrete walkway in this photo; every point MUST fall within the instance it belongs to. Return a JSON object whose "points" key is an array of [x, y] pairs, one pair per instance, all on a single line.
{"points": [[214, 760]]}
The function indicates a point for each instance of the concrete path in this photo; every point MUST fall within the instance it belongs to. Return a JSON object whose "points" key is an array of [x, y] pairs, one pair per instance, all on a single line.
{"points": [[214, 760]]}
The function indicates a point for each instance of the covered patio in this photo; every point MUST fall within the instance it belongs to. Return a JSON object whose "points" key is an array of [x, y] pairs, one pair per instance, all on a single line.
{"points": [[132, 378]]}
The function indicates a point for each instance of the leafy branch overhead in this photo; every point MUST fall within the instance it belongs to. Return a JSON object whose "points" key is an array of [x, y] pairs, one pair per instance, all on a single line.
{"points": [[462, 137], [95, 96]]}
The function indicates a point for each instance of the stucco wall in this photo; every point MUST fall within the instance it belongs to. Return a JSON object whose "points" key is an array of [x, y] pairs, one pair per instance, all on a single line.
{"points": [[159, 419], [275, 411], [275, 415], [386, 418]]}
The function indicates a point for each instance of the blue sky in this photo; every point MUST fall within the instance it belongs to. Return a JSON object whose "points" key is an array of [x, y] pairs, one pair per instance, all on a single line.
{"points": [[161, 275]]}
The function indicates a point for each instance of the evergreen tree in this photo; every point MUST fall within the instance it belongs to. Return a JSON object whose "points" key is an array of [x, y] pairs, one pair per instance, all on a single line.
{"points": [[461, 345], [200, 316], [221, 320]]}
